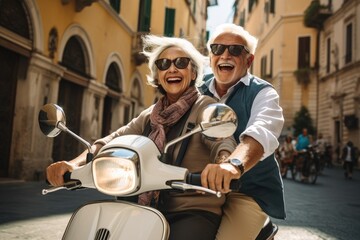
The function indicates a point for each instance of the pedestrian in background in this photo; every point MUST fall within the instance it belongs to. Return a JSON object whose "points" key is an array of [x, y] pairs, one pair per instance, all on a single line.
{"points": [[303, 140], [321, 145], [287, 152], [349, 157]]}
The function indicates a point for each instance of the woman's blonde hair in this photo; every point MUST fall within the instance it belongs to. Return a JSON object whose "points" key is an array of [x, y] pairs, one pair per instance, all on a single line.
{"points": [[153, 46]]}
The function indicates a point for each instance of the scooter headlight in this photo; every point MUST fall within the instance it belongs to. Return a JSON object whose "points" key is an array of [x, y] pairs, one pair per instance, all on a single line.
{"points": [[115, 175]]}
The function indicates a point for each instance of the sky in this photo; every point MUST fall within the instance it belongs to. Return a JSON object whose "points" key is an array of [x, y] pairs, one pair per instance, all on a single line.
{"points": [[221, 13]]}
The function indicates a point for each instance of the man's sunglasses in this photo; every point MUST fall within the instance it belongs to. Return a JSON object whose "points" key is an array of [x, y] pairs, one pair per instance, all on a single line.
{"points": [[235, 50], [164, 63]]}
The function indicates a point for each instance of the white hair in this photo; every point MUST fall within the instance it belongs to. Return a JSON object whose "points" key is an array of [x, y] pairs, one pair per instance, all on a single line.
{"points": [[251, 41], [153, 46]]}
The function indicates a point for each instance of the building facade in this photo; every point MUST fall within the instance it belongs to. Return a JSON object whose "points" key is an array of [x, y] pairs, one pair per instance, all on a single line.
{"points": [[285, 47], [84, 56], [309, 50], [339, 75]]}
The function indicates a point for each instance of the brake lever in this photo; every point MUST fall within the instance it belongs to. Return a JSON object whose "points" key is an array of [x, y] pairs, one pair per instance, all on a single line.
{"points": [[185, 186], [72, 185]]}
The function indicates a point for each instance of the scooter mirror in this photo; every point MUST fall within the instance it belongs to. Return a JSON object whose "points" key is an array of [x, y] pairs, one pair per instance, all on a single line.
{"points": [[50, 116], [218, 121]]}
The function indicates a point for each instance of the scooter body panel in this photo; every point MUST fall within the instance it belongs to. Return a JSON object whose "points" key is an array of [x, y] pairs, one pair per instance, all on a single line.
{"points": [[150, 164], [108, 220]]}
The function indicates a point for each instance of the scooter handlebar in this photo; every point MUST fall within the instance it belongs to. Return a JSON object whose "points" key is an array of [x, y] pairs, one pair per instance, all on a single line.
{"points": [[195, 179], [69, 184], [66, 177]]}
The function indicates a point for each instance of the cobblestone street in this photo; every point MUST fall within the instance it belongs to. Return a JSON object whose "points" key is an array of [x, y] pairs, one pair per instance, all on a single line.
{"points": [[327, 210]]}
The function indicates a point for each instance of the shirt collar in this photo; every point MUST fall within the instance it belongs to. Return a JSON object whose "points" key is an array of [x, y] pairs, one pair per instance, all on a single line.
{"points": [[245, 80]]}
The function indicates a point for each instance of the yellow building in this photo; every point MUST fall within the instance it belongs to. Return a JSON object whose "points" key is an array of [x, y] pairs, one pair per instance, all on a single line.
{"points": [[83, 55], [309, 50], [286, 48]]}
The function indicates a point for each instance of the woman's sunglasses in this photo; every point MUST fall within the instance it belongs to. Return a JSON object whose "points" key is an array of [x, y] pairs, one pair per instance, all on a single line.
{"points": [[235, 50], [164, 63]]}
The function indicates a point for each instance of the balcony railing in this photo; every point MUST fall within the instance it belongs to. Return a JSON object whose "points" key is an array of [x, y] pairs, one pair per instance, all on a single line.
{"points": [[303, 75], [316, 14]]}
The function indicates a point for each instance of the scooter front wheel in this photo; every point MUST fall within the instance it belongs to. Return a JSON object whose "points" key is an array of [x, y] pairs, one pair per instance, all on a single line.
{"points": [[313, 173]]}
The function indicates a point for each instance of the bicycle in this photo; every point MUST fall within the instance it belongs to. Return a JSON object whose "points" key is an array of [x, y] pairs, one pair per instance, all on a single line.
{"points": [[305, 165]]}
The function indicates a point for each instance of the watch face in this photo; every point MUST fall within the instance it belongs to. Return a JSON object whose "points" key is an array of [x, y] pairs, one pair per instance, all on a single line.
{"points": [[236, 162]]}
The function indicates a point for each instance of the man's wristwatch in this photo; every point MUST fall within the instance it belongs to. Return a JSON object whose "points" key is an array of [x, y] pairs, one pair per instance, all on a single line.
{"points": [[237, 163]]}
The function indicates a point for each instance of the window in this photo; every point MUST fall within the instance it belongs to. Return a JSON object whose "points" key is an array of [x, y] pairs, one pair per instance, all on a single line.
{"points": [[74, 57], [194, 7], [304, 52], [212, 3], [251, 4], [349, 43], [242, 18], [127, 114], [144, 16], [263, 67], [266, 11], [169, 22], [271, 62], [272, 6], [135, 98], [115, 4], [328, 55], [113, 78]]}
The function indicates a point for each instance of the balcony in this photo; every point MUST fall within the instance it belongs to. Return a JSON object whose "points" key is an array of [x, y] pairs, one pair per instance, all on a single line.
{"points": [[137, 47], [303, 76], [80, 4], [316, 14]]}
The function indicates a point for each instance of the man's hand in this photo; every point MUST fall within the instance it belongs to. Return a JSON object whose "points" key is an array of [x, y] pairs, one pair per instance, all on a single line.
{"points": [[56, 171], [218, 176]]}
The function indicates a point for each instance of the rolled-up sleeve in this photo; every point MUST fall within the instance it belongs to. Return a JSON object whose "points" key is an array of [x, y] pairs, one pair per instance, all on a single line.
{"points": [[266, 120]]}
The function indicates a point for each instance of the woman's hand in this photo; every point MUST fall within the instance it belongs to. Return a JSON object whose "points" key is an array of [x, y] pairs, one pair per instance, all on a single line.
{"points": [[56, 171]]}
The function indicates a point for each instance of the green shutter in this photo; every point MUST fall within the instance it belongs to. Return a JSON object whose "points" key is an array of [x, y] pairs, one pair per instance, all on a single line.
{"points": [[272, 6], [144, 16], [115, 4], [169, 22]]}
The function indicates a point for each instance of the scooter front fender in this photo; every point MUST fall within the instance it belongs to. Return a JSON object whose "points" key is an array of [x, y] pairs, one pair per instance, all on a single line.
{"points": [[107, 220]]}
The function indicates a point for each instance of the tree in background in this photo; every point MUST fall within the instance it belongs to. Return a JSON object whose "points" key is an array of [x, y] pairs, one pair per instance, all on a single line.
{"points": [[302, 120]]}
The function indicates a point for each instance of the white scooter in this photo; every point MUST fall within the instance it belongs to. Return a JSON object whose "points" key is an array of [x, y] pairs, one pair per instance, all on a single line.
{"points": [[127, 166]]}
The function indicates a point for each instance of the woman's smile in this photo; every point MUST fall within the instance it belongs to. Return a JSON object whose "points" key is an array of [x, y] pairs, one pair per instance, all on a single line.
{"points": [[175, 81]]}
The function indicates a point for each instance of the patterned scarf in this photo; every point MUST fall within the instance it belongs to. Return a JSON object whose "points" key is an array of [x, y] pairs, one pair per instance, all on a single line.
{"points": [[162, 118]]}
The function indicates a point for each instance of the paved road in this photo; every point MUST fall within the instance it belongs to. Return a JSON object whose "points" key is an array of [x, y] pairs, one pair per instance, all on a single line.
{"points": [[328, 210]]}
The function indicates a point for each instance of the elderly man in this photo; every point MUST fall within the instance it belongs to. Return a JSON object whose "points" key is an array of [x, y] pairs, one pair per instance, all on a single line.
{"points": [[256, 104]]}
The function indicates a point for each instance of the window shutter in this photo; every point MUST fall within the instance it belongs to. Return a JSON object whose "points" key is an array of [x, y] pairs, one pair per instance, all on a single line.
{"points": [[169, 22]]}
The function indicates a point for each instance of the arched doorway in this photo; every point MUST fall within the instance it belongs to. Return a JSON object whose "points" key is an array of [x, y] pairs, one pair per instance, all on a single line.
{"points": [[14, 62], [136, 103], [113, 82], [71, 90]]}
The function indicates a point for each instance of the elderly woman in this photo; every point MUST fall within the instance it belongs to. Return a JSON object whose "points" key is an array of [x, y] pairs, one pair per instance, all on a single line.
{"points": [[175, 66]]}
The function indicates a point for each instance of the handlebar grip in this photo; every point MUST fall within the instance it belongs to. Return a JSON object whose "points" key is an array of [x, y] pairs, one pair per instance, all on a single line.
{"points": [[66, 177], [195, 179]]}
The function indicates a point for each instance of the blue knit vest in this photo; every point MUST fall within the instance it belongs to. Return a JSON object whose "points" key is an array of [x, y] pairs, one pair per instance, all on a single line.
{"points": [[263, 182]]}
